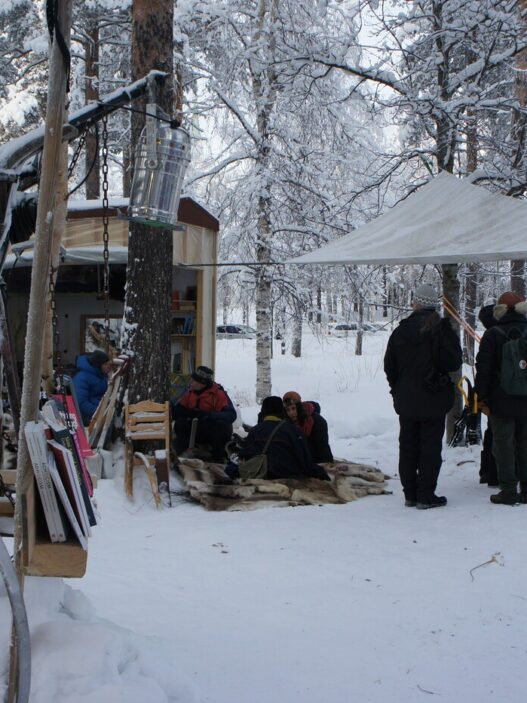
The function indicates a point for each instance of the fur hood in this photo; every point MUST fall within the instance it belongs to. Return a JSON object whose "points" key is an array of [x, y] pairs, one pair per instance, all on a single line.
{"points": [[501, 309]]}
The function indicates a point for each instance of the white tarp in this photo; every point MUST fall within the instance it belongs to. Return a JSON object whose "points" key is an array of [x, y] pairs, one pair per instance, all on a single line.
{"points": [[446, 221]]}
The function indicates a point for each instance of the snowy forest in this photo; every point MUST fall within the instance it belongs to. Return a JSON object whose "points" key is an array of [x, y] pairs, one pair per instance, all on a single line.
{"points": [[308, 118]]}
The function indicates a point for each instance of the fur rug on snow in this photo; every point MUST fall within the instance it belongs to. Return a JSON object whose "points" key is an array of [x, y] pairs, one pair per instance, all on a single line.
{"points": [[208, 484]]}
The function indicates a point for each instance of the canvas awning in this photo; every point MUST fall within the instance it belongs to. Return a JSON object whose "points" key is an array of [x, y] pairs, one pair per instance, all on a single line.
{"points": [[448, 220]]}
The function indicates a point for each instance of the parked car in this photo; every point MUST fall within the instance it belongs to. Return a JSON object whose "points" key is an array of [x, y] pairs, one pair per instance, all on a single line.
{"points": [[235, 332], [342, 329]]}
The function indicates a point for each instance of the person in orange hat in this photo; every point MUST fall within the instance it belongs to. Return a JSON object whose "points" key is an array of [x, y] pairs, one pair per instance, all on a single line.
{"points": [[306, 416], [501, 385]]}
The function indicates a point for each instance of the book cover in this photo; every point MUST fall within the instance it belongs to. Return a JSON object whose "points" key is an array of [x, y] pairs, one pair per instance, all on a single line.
{"points": [[36, 444], [68, 474], [54, 414], [64, 437], [75, 421], [66, 503]]}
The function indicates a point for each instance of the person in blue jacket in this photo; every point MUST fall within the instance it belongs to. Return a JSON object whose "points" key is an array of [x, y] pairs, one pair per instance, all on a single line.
{"points": [[91, 381]]}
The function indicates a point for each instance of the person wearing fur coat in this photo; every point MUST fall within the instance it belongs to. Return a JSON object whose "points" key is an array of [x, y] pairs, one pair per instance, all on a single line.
{"points": [[507, 412]]}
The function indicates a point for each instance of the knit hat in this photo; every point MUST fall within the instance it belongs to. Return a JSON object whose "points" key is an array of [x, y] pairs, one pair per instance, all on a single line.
{"points": [[272, 405], [97, 358], [426, 296], [291, 397], [203, 375], [510, 302], [486, 316]]}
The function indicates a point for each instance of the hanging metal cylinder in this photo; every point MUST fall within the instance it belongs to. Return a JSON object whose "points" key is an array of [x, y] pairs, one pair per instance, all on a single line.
{"points": [[162, 157]]}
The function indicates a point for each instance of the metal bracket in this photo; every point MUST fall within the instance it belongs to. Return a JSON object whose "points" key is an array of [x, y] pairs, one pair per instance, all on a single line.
{"points": [[151, 136]]}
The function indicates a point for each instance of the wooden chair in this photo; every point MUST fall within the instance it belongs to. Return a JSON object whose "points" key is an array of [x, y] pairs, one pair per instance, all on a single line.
{"points": [[146, 422]]}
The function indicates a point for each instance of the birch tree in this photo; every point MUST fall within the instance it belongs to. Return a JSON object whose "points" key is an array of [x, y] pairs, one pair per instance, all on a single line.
{"points": [[281, 136]]}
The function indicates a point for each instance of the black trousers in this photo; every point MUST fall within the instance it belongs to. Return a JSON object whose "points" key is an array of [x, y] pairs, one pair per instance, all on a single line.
{"points": [[214, 432], [420, 444], [488, 473]]}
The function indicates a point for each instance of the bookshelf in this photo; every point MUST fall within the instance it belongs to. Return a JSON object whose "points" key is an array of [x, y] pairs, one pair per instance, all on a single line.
{"points": [[184, 332]]}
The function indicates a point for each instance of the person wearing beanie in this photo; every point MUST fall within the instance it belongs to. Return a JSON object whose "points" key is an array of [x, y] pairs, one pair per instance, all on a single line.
{"points": [[91, 381], [209, 403], [306, 416], [501, 386], [288, 455], [420, 354]]}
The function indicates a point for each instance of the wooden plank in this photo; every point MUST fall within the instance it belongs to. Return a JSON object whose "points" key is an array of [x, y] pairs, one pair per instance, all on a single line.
{"points": [[147, 406], [61, 560]]}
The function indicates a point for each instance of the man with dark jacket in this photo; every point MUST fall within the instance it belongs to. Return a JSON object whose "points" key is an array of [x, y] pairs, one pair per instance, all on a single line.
{"points": [[91, 381], [287, 455], [420, 353], [507, 411], [209, 403]]}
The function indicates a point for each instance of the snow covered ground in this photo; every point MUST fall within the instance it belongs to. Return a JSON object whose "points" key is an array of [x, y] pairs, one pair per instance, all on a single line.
{"points": [[368, 602]]}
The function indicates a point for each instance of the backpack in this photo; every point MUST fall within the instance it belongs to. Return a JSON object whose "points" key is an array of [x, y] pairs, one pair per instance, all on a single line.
{"points": [[513, 370], [256, 466]]}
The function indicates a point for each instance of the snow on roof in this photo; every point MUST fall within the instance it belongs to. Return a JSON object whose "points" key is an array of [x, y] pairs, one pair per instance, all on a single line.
{"points": [[73, 255], [448, 220]]}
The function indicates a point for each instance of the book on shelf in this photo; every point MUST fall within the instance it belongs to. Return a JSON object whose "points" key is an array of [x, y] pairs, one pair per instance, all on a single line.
{"points": [[70, 480], [37, 448], [71, 413], [65, 499], [63, 436], [69, 438]]}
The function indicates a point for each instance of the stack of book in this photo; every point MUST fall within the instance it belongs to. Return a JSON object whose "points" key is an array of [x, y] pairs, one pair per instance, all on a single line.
{"points": [[63, 481]]}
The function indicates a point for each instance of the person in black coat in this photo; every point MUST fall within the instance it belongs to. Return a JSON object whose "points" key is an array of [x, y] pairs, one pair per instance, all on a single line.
{"points": [[507, 412], [488, 472], [287, 455], [421, 352]]}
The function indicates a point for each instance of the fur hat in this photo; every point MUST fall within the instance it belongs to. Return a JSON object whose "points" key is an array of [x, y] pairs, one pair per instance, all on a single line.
{"points": [[291, 397], [425, 296], [510, 302], [272, 405], [203, 375], [97, 358]]}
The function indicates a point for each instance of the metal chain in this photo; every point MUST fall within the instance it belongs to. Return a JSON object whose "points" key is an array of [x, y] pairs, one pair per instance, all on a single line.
{"points": [[105, 232], [7, 492], [55, 327], [59, 373], [77, 152]]}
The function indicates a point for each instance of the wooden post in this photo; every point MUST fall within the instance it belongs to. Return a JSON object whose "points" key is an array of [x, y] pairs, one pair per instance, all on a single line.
{"points": [[41, 265]]}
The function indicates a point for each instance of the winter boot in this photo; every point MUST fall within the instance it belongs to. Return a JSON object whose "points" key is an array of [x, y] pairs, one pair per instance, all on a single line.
{"points": [[409, 503], [433, 502], [505, 497]]}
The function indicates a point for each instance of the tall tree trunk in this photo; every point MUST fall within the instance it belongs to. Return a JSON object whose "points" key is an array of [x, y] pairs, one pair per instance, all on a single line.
{"points": [[92, 95], [360, 330], [149, 272], [264, 93], [471, 285], [451, 291], [296, 342], [519, 137], [263, 305]]}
